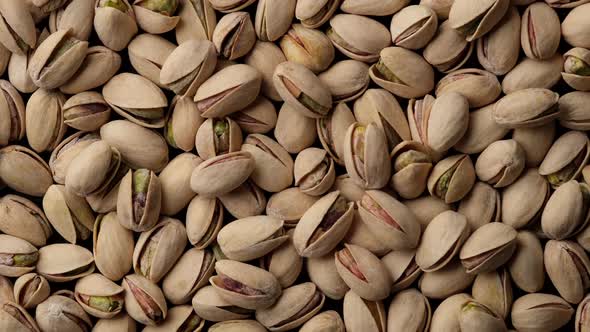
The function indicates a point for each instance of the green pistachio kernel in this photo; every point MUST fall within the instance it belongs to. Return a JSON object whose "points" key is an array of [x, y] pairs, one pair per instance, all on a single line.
{"points": [[190, 324], [104, 303], [442, 185], [169, 133], [24, 260], [577, 66], [141, 181], [164, 7], [117, 4], [386, 73], [410, 157]]}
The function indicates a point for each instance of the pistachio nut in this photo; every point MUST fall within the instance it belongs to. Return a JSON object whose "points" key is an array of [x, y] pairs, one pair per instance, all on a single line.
{"points": [[273, 169], [373, 7], [292, 129], [251, 237], [577, 68], [480, 87], [526, 265], [524, 200], [348, 187], [12, 114], [535, 141], [18, 71], [566, 3], [242, 325], [441, 241], [182, 123], [363, 315], [204, 218], [61, 262], [309, 47], [245, 285], [122, 322], [175, 183], [284, 262], [346, 79], [66, 151], [452, 178], [402, 268], [209, 305], [572, 105], [413, 26], [144, 300], [348, 34], [234, 35], [327, 321], [114, 23], [31, 289], [566, 158], [44, 122], [540, 33], [440, 7], [5, 56], [289, 205], [501, 163], [296, 305], [314, 171], [156, 16], [446, 316], [18, 256], [69, 214], [403, 73], [213, 177], [527, 108], [245, 201], [539, 311], [197, 21], [228, 90], [273, 18], [260, 117], [498, 51], [188, 66], [112, 247], [568, 268], [314, 14], [90, 169], [217, 137], [86, 111], [62, 312], [566, 212], [265, 57], [180, 318], [441, 284], [76, 16], [476, 316], [17, 30], [531, 73], [105, 200], [581, 321], [302, 90], [332, 129], [494, 290], [481, 132], [425, 208], [191, 272], [409, 310], [22, 218], [363, 272], [411, 165], [447, 51], [24, 171], [481, 206], [323, 273], [148, 54], [488, 248], [139, 200], [228, 6], [47, 6], [475, 20], [99, 296]]}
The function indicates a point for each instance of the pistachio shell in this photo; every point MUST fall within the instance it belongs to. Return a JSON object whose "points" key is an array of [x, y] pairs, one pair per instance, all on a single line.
{"points": [[148, 53], [540, 311], [245, 201], [373, 7], [325, 321], [17, 31], [197, 21], [114, 27], [63, 311], [313, 14], [539, 32], [526, 265], [30, 290], [24, 171], [572, 105], [452, 178], [346, 79], [480, 87], [86, 111], [488, 248], [448, 50], [498, 50], [526, 108], [69, 214], [260, 117], [22, 218], [314, 171], [362, 315], [112, 247], [45, 119], [62, 262], [292, 129], [450, 280], [474, 20], [409, 310], [446, 315], [348, 34], [191, 272], [501, 163], [523, 201], [265, 57], [409, 181], [535, 141], [153, 21], [481, 132], [210, 306], [494, 290], [289, 205], [566, 158], [273, 170], [567, 266], [66, 151], [481, 206], [207, 178], [402, 268], [531, 73], [413, 26], [144, 300], [273, 18], [96, 285]]}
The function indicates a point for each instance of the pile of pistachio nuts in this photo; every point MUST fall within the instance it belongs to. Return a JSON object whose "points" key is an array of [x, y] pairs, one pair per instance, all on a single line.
{"points": [[294, 165]]}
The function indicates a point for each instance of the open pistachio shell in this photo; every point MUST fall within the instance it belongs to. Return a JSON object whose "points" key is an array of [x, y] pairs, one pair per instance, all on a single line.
{"points": [[62, 310], [531, 73], [448, 50], [572, 115], [24, 171], [539, 32], [234, 35], [452, 178], [309, 47], [207, 178], [69, 214], [501, 163], [527, 108], [66, 151], [273, 169], [524, 200], [480, 87], [12, 114], [494, 290], [99, 296], [144, 300], [197, 21], [362, 315], [245, 201], [348, 34], [30, 290], [62, 262], [481, 206], [154, 18], [180, 318], [413, 26], [451, 279], [566, 212], [346, 79], [22, 218], [273, 18], [139, 200], [576, 68], [332, 129], [498, 50], [446, 315], [411, 166], [568, 268], [115, 26], [409, 310], [209, 305], [86, 111], [19, 256], [566, 158], [218, 136], [17, 30], [402, 268], [488, 248], [474, 20], [314, 171], [228, 6], [314, 14], [148, 53]]}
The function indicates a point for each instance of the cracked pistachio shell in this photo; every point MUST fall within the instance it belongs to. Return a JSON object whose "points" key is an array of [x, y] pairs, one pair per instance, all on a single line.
{"points": [[216, 137], [488, 248], [527, 108], [158, 249], [540, 312], [24, 171], [245, 201], [309, 47], [76, 16], [228, 6], [139, 200], [12, 114], [260, 117], [425, 208], [501, 163], [148, 53], [314, 171], [156, 20], [284, 262], [273, 18], [576, 73], [566, 212], [175, 183], [114, 27], [265, 57], [452, 178], [99, 296], [327, 321], [296, 305], [63, 262], [441, 241], [413, 26], [323, 225], [188, 66], [17, 30], [494, 290], [540, 31], [222, 174], [481, 132], [363, 272], [19, 256], [139, 146], [209, 305], [391, 222], [366, 155], [302, 89], [346, 80], [566, 158], [531, 73], [447, 51], [234, 35], [314, 14], [535, 141], [30, 290], [228, 90], [446, 316], [57, 59], [480, 87], [523, 201], [332, 129], [373, 7], [98, 67], [475, 19], [180, 318], [182, 124], [251, 237], [292, 129], [242, 325], [475, 316], [498, 51], [197, 20], [409, 310], [382, 108], [191, 272], [22, 218], [481, 206], [323, 273], [273, 170], [573, 114], [18, 72], [568, 268], [44, 122], [581, 321], [289, 205], [362, 315], [136, 99], [244, 285], [112, 246], [144, 300], [526, 265], [402, 268], [90, 169], [204, 218], [105, 200], [452, 279], [69, 214], [402, 72], [66, 151], [62, 313], [86, 111], [349, 34]]}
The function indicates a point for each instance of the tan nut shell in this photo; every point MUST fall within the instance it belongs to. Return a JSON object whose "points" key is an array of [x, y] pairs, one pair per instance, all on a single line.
{"points": [[222, 174], [112, 247], [460, 183], [485, 14], [151, 290], [97, 285], [190, 273], [501, 163], [494, 243], [526, 265], [354, 30], [480, 87], [24, 171], [498, 51], [59, 258], [526, 108], [68, 213], [413, 26]]}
